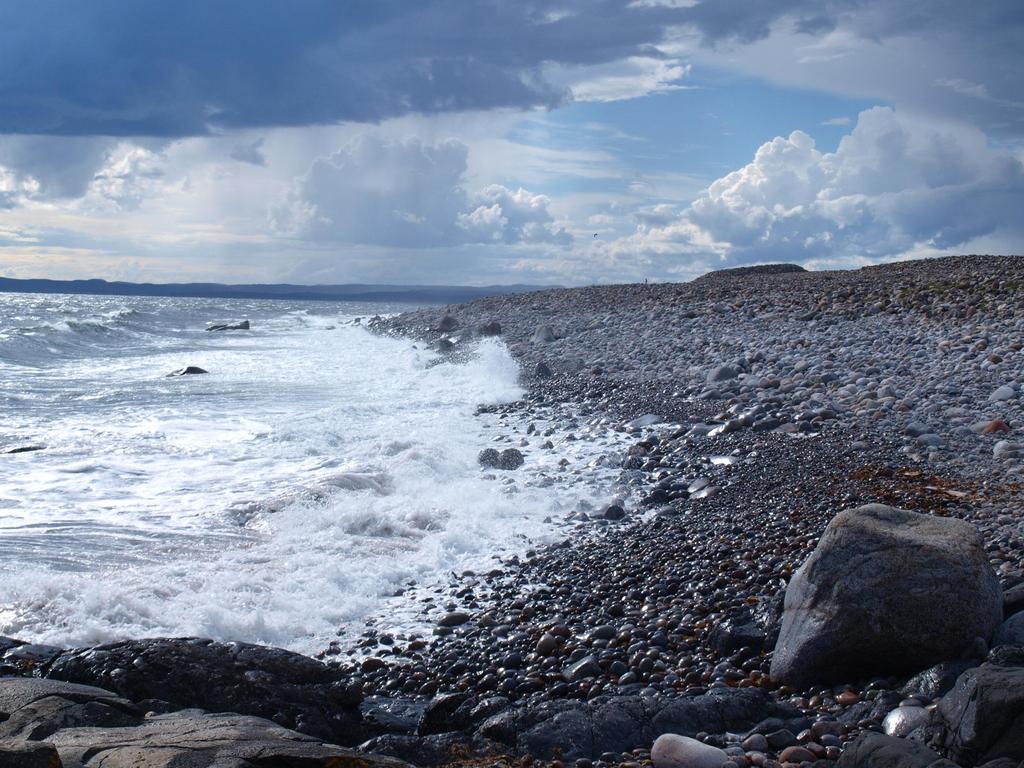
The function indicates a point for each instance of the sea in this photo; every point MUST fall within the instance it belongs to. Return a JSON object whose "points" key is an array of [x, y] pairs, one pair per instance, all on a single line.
{"points": [[315, 471]]}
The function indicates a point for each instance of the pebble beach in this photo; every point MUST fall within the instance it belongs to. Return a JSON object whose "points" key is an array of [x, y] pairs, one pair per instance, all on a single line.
{"points": [[737, 416]]}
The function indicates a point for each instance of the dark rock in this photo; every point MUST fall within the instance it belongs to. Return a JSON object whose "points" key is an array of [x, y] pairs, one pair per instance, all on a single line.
{"points": [[613, 512], [291, 689], [453, 619], [1006, 656], [444, 345], [489, 457], [876, 750], [188, 370], [385, 715], [737, 631], [885, 592], [618, 724], [242, 326], [192, 738], [28, 754], [1011, 631], [23, 449], [543, 371], [938, 680], [447, 323], [584, 668], [437, 749], [1013, 600], [492, 328], [446, 712], [982, 718], [510, 458]]}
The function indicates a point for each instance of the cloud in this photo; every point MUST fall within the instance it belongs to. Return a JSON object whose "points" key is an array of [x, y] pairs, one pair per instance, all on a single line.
{"points": [[251, 153], [510, 216], [152, 68], [893, 185], [407, 194], [837, 121]]}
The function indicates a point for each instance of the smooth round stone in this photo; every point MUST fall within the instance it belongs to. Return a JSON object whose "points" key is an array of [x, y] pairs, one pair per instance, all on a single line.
{"points": [[673, 751], [902, 720], [796, 755]]}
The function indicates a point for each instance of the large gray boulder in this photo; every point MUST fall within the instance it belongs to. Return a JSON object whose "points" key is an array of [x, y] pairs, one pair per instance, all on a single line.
{"points": [[982, 718], [885, 592]]}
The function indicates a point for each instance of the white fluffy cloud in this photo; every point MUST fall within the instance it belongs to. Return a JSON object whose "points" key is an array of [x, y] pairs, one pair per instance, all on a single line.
{"points": [[407, 194], [892, 186], [508, 216]]}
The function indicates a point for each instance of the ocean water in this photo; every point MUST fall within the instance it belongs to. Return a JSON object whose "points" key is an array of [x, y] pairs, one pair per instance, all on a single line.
{"points": [[283, 496]]}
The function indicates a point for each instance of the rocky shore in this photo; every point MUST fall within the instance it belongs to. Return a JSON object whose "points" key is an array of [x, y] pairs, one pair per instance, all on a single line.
{"points": [[814, 553]]}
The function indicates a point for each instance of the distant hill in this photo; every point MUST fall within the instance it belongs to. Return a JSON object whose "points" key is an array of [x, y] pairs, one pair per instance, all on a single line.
{"points": [[757, 269], [415, 294]]}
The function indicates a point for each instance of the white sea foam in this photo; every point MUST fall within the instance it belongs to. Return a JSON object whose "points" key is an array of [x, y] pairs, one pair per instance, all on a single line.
{"points": [[313, 471]]}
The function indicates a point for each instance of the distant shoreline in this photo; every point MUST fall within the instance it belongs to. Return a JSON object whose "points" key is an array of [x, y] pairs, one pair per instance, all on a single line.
{"points": [[412, 294]]}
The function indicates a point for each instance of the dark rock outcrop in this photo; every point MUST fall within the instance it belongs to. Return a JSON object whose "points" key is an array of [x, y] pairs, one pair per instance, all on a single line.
{"points": [[188, 370], [578, 729], [288, 688], [982, 718], [876, 750], [885, 592]]}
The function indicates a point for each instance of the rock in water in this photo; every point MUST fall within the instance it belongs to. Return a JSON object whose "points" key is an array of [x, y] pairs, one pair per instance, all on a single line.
{"points": [[242, 326], [447, 323], [543, 334], [885, 592], [188, 370], [510, 458], [492, 328], [673, 751]]}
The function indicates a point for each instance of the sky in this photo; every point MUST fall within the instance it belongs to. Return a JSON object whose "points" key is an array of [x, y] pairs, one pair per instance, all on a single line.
{"points": [[503, 141]]}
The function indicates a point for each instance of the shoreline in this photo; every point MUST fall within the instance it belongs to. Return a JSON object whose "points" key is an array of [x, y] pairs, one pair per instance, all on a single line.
{"points": [[825, 390]]}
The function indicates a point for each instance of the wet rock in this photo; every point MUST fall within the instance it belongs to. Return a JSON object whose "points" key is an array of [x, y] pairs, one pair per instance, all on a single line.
{"points": [[188, 370], [902, 720], [446, 712], [510, 458], [23, 449], [982, 718], [453, 619], [876, 750], [886, 591], [673, 751], [447, 323], [543, 371], [291, 689], [585, 667], [492, 328], [936, 681], [735, 632], [241, 326], [613, 512]]}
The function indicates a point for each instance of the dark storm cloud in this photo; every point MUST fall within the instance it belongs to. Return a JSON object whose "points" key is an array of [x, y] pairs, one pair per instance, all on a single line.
{"points": [[156, 68], [192, 67]]}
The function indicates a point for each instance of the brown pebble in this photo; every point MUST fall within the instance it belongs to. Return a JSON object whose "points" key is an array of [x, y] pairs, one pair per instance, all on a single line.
{"points": [[796, 755], [996, 425], [846, 698]]}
